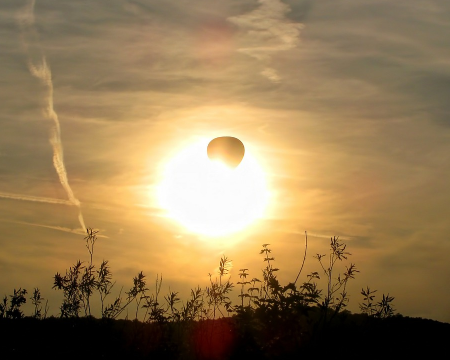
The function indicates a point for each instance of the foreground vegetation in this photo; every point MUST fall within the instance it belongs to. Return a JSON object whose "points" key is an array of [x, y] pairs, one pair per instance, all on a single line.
{"points": [[270, 320]]}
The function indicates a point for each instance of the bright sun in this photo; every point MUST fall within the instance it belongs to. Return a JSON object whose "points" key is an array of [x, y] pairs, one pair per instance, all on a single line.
{"points": [[210, 198]]}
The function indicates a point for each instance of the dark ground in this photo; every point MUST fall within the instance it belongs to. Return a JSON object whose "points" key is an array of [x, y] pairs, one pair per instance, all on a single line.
{"points": [[349, 336]]}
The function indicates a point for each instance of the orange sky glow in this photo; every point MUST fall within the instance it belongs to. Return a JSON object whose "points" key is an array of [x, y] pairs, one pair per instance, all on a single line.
{"points": [[108, 108]]}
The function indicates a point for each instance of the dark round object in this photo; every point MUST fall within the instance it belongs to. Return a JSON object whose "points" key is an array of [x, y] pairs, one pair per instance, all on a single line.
{"points": [[227, 149]]}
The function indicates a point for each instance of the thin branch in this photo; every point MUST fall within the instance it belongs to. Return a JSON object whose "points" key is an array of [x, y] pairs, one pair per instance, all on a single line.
{"points": [[304, 258]]}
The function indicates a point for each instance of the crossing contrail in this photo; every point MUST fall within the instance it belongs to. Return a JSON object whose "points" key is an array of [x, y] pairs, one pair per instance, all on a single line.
{"points": [[35, 198], [37, 64], [59, 228]]}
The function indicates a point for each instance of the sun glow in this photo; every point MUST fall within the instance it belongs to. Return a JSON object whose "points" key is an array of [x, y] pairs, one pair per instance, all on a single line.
{"points": [[209, 198]]}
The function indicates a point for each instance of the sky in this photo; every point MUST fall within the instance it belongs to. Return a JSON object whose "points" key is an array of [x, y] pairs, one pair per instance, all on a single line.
{"points": [[342, 104]]}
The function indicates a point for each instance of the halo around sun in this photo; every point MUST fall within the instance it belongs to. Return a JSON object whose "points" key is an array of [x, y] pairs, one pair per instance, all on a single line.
{"points": [[210, 198]]}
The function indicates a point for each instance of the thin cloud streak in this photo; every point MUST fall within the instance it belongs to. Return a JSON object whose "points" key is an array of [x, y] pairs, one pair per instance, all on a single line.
{"points": [[322, 236], [36, 199], [59, 228], [41, 70]]}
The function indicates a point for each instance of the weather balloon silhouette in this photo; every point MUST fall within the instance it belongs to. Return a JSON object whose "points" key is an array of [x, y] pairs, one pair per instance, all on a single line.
{"points": [[227, 149]]}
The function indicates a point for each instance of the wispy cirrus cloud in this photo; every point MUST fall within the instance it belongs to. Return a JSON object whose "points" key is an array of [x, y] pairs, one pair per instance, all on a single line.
{"points": [[267, 31]]}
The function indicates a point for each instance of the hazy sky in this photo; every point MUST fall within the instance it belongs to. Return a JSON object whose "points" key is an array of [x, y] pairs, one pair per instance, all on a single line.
{"points": [[344, 103]]}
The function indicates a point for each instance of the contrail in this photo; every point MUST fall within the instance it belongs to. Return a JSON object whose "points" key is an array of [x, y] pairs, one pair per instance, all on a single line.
{"points": [[59, 228], [40, 69], [36, 199], [346, 238]]}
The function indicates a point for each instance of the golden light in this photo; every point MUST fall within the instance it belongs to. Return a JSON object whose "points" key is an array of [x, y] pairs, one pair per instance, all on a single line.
{"points": [[209, 198]]}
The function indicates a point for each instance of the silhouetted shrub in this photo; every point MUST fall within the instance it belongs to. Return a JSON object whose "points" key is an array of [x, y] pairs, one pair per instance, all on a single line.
{"points": [[270, 321]]}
